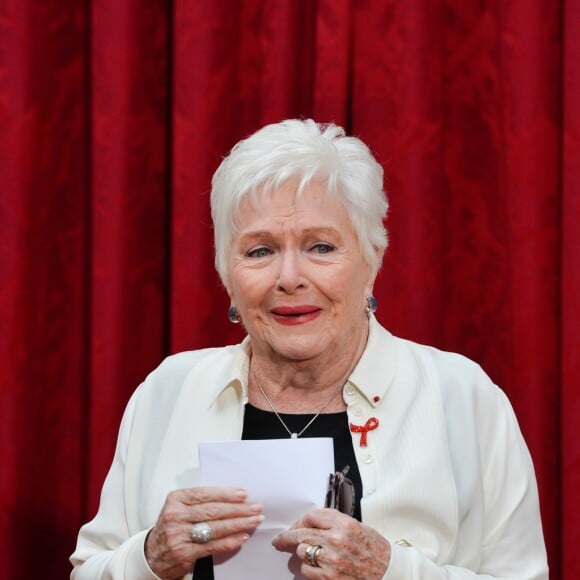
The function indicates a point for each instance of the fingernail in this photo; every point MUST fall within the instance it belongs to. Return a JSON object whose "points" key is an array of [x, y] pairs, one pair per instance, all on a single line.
{"points": [[257, 519], [241, 494]]}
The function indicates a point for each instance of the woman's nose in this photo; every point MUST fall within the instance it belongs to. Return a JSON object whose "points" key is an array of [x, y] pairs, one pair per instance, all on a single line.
{"points": [[290, 274]]}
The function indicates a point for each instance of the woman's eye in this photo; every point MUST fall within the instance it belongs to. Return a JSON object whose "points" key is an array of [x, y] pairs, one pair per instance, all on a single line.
{"points": [[322, 248], [258, 253]]}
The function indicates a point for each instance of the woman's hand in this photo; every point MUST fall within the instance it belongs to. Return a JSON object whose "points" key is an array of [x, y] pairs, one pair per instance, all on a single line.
{"points": [[169, 548], [349, 549]]}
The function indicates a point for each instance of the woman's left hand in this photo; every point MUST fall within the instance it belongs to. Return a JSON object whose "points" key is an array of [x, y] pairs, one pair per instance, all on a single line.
{"points": [[349, 549]]}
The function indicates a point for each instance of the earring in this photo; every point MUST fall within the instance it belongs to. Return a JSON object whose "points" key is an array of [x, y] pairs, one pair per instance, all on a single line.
{"points": [[234, 315], [371, 308]]}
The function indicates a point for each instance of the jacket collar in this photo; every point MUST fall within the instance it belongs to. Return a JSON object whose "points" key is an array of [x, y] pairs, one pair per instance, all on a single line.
{"points": [[375, 370], [372, 375]]}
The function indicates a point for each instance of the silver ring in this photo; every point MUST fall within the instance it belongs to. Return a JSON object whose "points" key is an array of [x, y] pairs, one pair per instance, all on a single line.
{"points": [[201, 533], [312, 555]]}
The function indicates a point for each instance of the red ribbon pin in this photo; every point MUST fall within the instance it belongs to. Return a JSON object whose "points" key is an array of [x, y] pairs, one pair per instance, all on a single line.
{"points": [[370, 425]]}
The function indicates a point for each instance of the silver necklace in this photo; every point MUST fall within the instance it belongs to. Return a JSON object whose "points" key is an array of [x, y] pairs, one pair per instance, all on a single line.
{"points": [[293, 435]]}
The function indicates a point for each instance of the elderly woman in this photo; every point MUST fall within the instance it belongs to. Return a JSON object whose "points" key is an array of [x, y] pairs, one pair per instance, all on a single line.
{"points": [[444, 481]]}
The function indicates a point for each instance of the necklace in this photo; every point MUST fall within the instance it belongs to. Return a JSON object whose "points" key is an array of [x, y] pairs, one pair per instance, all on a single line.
{"points": [[292, 435]]}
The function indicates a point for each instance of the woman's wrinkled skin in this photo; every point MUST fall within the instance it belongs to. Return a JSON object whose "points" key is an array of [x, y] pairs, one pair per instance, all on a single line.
{"points": [[299, 281], [350, 550], [169, 549]]}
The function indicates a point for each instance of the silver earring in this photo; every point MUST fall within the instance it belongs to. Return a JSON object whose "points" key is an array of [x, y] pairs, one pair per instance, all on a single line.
{"points": [[371, 307], [234, 315]]}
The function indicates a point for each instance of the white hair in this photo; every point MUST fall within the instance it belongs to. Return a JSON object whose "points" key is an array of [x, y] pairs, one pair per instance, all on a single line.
{"points": [[301, 151]]}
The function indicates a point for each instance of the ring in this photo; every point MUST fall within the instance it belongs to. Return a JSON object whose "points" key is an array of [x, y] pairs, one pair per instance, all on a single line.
{"points": [[312, 555], [201, 533]]}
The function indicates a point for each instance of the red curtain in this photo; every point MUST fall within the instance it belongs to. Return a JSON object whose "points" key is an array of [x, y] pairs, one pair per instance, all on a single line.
{"points": [[114, 115]]}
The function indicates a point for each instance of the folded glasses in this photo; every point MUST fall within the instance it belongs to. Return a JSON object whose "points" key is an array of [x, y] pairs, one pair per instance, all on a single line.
{"points": [[341, 495]]}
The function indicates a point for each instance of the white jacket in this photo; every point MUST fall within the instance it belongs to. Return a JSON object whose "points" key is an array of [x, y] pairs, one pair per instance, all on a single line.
{"points": [[446, 470]]}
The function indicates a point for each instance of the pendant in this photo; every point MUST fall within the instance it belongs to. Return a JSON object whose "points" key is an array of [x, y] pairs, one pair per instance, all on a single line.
{"points": [[294, 436]]}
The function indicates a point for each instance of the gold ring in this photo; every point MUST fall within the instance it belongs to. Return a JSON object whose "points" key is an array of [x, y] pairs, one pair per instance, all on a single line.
{"points": [[312, 555]]}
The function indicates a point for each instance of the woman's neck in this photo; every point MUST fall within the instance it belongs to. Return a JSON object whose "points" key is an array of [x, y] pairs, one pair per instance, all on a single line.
{"points": [[303, 386]]}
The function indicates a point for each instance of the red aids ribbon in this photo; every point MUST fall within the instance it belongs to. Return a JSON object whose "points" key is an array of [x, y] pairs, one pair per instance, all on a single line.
{"points": [[370, 425]]}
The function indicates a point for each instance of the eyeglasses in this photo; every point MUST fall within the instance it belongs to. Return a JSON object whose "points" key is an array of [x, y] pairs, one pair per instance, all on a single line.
{"points": [[341, 494]]}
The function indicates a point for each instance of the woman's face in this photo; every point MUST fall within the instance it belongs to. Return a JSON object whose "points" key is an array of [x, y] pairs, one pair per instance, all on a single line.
{"points": [[297, 276]]}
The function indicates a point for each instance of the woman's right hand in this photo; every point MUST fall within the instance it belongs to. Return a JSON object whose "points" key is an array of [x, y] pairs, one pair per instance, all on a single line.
{"points": [[169, 548]]}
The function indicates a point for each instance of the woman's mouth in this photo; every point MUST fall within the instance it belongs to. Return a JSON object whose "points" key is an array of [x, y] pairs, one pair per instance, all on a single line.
{"points": [[293, 315]]}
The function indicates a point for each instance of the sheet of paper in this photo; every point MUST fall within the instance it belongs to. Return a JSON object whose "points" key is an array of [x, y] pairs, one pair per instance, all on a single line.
{"points": [[288, 477]]}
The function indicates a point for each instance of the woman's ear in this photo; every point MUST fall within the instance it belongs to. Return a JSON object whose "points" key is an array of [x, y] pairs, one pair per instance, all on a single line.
{"points": [[226, 283], [374, 270]]}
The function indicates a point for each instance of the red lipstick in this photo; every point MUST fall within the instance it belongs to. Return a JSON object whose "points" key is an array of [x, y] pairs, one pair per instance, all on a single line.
{"points": [[293, 315]]}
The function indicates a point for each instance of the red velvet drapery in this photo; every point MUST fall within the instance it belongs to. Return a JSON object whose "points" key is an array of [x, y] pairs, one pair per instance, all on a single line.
{"points": [[113, 116]]}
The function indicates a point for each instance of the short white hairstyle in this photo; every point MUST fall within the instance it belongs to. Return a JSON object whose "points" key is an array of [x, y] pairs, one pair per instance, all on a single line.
{"points": [[302, 151]]}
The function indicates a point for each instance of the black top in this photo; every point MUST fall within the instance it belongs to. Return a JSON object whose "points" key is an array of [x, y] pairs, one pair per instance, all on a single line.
{"points": [[260, 424]]}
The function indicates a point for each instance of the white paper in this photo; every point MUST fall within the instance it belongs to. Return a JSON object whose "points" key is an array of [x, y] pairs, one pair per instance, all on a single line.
{"points": [[288, 477]]}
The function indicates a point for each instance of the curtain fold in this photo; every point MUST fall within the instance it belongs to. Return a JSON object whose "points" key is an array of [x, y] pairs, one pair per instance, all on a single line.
{"points": [[568, 452], [115, 114], [43, 213], [129, 212]]}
